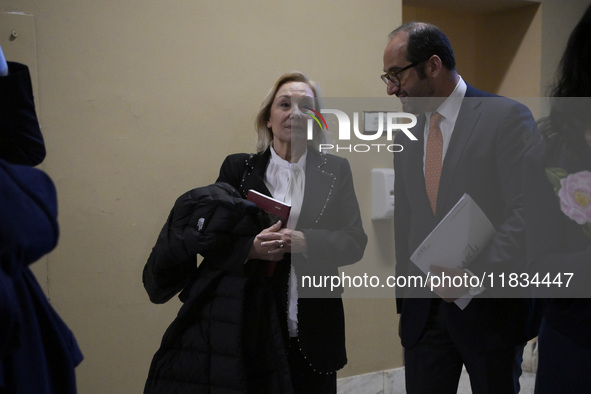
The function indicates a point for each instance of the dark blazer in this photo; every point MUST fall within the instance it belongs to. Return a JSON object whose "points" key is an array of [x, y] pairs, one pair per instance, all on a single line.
{"points": [[331, 222], [557, 244], [21, 141], [483, 159]]}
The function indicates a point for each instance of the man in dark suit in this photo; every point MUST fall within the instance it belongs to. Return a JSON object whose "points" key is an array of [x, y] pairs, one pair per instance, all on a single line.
{"points": [[470, 142]]}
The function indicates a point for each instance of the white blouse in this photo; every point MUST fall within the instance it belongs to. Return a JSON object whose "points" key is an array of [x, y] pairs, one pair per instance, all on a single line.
{"points": [[286, 182]]}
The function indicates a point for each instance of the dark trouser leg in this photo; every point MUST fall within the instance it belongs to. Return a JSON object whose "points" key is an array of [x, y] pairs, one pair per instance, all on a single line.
{"points": [[433, 365], [563, 365]]}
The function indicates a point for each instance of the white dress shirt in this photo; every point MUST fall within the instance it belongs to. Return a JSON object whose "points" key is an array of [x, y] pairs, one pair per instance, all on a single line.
{"points": [[449, 109]]}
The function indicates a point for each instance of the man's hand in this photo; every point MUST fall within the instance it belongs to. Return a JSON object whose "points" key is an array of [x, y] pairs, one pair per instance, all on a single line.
{"points": [[444, 285]]}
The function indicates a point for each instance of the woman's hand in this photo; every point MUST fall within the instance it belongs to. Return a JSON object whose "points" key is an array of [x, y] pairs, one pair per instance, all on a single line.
{"points": [[295, 241], [282, 240], [273, 242], [268, 244]]}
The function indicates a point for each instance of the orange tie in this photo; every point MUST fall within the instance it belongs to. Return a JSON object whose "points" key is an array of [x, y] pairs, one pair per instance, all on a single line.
{"points": [[433, 159]]}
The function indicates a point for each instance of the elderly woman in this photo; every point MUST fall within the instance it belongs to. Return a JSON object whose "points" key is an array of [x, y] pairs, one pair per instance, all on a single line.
{"points": [[272, 334]]}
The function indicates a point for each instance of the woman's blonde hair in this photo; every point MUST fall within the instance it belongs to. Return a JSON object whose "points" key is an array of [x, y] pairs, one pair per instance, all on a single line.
{"points": [[265, 134]]}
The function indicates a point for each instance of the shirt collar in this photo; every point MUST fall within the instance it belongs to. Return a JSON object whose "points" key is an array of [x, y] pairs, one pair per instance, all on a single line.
{"points": [[450, 108], [278, 160]]}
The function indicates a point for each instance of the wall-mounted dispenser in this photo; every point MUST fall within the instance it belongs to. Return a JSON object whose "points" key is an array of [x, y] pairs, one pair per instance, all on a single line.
{"points": [[382, 193]]}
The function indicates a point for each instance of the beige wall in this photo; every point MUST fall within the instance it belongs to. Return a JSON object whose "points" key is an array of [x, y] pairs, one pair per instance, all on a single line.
{"points": [[140, 101], [498, 51], [484, 33]]}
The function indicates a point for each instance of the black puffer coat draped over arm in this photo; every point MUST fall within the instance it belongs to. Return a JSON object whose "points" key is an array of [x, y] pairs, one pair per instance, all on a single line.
{"points": [[213, 221], [227, 335]]}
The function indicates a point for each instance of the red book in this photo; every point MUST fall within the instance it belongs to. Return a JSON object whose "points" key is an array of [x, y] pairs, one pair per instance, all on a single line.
{"points": [[270, 205], [274, 207]]}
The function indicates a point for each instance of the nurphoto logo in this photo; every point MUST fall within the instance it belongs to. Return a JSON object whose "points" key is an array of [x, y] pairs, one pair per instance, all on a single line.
{"points": [[394, 121]]}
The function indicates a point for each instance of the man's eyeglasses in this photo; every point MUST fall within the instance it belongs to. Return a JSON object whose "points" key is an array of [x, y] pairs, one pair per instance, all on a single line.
{"points": [[394, 76]]}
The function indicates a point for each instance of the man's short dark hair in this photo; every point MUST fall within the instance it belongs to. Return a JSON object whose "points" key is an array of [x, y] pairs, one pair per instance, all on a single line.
{"points": [[424, 41]]}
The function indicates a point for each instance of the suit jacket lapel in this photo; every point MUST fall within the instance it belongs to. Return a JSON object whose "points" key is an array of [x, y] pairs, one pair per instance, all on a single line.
{"points": [[319, 187], [416, 153], [464, 127], [254, 176]]}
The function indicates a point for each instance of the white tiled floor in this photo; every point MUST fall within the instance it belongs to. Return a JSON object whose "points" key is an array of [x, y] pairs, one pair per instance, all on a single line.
{"points": [[392, 382]]}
